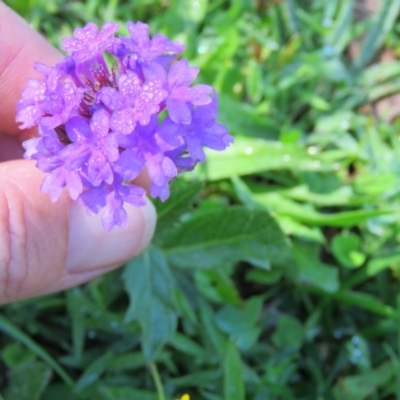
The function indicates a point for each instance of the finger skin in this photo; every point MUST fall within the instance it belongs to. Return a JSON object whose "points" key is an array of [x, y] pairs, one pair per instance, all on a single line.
{"points": [[20, 47], [46, 247]]}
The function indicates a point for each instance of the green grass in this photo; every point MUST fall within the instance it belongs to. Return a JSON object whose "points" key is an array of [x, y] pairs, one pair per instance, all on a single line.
{"points": [[274, 272]]}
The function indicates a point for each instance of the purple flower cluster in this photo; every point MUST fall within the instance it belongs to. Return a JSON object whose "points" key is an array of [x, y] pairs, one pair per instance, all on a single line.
{"points": [[112, 107]]}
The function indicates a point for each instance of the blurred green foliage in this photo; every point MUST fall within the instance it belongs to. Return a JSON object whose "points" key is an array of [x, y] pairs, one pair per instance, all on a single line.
{"points": [[274, 272]]}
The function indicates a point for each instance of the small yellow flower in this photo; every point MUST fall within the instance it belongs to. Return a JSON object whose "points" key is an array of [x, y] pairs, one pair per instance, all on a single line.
{"points": [[185, 397]]}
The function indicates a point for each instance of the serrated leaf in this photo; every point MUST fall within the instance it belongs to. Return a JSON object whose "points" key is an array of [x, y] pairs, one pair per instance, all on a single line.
{"points": [[220, 236], [150, 286]]}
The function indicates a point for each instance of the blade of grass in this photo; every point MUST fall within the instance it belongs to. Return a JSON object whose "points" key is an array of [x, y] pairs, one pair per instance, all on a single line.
{"points": [[8, 328], [381, 26], [341, 32]]}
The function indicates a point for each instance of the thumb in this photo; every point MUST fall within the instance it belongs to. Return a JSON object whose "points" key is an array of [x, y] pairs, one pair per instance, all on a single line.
{"points": [[45, 247]]}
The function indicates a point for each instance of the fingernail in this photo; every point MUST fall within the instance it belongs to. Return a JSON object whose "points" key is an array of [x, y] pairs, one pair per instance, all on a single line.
{"points": [[91, 247]]}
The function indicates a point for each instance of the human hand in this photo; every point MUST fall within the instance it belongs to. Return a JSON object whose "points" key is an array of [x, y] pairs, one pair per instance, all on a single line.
{"points": [[45, 247]]}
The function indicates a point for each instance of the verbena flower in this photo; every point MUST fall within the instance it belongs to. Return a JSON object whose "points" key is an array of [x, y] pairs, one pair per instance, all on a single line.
{"points": [[103, 119]]}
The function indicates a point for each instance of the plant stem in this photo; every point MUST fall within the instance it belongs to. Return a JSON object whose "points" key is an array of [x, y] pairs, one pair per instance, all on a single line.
{"points": [[157, 381]]}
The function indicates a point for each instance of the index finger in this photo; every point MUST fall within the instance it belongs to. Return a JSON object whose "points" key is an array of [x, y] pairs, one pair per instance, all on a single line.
{"points": [[20, 47]]}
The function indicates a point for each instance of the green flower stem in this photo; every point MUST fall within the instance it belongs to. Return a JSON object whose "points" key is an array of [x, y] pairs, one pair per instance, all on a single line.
{"points": [[157, 381]]}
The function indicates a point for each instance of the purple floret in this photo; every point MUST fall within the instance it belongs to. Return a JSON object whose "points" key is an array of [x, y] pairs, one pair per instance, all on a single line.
{"points": [[88, 42], [50, 103], [101, 123], [110, 198], [181, 96], [142, 149], [96, 145], [142, 50]]}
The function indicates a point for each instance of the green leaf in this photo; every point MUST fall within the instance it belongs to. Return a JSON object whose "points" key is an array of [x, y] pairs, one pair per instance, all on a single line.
{"points": [[340, 35], [125, 393], [192, 11], [133, 361], [94, 371], [200, 379], [340, 197], [376, 184], [289, 332], [243, 192], [23, 7], [27, 382], [294, 228], [74, 304], [380, 263], [217, 286], [380, 72], [8, 328], [380, 27], [280, 204], [60, 391], [346, 248], [254, 81], [311, 270], [248, 156], [241, 323], [220, 236], [365, 301], [360, 387], [183, 194], [233, 374], [242, 119], [184, 306], [130, 361], [188, 346], [150, 286], [264, 277], [210, 332], [15, 355], [381, 91]]}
